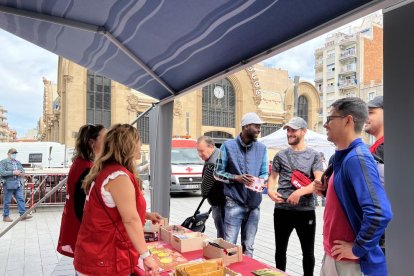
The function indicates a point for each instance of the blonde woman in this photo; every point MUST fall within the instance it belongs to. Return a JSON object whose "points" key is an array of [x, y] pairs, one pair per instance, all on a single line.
{"points": [[111, 237]]}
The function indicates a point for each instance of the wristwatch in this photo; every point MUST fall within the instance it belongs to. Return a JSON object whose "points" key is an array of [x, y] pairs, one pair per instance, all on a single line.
{"points": [[145, 255]]}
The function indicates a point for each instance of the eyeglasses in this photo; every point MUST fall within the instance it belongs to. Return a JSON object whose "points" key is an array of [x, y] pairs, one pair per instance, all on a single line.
{"points": [[330, 118]]}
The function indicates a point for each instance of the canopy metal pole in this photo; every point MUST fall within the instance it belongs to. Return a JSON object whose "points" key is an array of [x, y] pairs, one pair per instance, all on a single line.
{"points": [[160, 157], [143, 114]]}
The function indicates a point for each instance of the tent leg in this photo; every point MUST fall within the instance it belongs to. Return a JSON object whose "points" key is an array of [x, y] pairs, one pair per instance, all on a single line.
{"points": [[398, 121], [160, 131]]}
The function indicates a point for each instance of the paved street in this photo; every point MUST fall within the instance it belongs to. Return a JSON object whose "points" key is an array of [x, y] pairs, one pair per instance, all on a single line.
{"points": [[29, 248]]}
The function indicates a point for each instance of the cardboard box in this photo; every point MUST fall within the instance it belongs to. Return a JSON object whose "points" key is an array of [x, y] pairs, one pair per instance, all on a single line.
{"points": [[230, 253], [150, 227], [208, 267], [188, 241], [151, 231], [151, 236], [166, 232]]}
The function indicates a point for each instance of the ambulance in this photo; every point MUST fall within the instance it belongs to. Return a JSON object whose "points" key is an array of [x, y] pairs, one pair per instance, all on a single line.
{"points": [[186, 166]]}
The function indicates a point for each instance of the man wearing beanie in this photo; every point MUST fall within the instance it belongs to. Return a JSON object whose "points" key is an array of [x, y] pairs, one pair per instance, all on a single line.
{"points": [[241, 165]]}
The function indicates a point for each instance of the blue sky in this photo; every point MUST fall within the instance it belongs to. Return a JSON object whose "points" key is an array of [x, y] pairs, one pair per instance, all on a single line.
{"points": [[23, 65]]}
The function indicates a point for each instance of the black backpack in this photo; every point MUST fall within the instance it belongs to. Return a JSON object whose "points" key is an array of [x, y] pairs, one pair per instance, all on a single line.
{"points": [[197, 222]]}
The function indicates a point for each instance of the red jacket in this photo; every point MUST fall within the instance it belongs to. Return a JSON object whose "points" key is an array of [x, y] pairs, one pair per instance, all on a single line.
{"points": [[70, 224], [101, 248]]}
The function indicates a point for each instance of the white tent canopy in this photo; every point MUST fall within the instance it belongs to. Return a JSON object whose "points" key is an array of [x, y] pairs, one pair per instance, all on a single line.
{"points": [[319, 142]]}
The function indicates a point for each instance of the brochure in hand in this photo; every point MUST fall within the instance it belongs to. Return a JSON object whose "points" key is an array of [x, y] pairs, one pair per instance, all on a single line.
{"points": [[257, 186]]}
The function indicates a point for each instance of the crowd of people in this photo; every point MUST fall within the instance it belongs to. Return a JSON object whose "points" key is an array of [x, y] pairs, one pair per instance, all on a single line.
{"points": [[105, 210], [357, 210]]}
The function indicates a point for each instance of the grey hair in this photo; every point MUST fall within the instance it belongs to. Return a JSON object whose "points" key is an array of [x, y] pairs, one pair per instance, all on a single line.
{"points": [[355, 107], [209, 141]]}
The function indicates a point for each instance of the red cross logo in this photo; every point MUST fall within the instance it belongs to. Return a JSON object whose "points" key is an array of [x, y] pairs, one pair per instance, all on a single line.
{"points": [[188, 169]]}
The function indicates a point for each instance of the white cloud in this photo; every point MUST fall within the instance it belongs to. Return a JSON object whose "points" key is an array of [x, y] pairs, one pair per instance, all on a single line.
{"points": [[22, 66], [299, 61]]}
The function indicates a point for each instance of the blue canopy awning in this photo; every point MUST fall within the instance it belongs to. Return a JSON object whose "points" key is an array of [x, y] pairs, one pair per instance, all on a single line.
{"points": [[164, 48]]}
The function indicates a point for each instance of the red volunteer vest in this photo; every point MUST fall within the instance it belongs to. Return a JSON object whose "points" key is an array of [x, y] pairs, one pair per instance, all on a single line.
{"points": [[70, 224], [101, 248]]}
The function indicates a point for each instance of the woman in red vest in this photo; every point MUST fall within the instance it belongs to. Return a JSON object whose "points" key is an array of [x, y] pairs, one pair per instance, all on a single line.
{"points": [[88, 145], [111, 237]]}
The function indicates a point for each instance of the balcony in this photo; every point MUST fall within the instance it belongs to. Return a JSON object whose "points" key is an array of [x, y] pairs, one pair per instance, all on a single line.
{"points": [[318, 63], [330, 75], [330, 89], [349, 53], [348, 69], [330, 60], [3, 124], [319, 51], [348, 84], [348, 40], [318, 77]]}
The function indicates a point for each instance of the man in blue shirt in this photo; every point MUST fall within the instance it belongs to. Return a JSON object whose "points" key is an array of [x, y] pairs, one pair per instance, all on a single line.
{"points": [[11, 170], [241, 165]]}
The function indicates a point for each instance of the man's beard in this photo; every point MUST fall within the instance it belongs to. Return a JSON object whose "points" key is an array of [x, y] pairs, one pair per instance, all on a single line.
{"points": [[252, 136], [295, 141], [368, 130]]}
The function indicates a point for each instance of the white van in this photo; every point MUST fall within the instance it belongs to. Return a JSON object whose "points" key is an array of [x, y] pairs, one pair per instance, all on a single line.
{"points": [[186, 166], [39, 154]]}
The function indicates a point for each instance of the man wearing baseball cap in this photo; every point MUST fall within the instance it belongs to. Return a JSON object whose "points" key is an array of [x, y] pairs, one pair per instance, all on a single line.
{"points": [[11, 170], [375, 127], [242, 162], [294, 205]]}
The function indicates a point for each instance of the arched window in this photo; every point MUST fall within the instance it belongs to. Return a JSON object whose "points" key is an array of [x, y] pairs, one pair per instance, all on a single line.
{"points": [[219, 137], [98, 100], [143, 127], [219, 104], [303, 108], [267, 129]]}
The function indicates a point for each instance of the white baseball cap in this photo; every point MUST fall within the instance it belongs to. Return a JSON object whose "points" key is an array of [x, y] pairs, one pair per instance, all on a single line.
{"points": [[251, 118]]}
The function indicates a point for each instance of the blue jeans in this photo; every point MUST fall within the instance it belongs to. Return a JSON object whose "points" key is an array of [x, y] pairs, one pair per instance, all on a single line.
{"points": [[217, 212], [18, 194], [237, 216]]}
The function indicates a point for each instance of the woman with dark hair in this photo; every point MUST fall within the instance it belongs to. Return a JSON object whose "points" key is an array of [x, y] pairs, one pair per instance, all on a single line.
{"points": [[88, 146], [111, 237]]}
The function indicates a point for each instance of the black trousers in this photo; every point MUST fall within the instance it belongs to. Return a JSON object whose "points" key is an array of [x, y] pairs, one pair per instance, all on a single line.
{"points": [[305, 224]]}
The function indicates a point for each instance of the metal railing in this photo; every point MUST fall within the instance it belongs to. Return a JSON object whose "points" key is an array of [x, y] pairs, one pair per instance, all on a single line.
{"points": [[35, 205], [37, 186]]}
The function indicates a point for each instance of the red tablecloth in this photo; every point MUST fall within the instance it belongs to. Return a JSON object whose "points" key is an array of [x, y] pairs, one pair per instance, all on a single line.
{"points": [[245, 267]]}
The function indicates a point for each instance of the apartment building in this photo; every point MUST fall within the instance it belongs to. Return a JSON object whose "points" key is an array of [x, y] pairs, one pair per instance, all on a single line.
{"points": [[6, 134], [350, 64]]}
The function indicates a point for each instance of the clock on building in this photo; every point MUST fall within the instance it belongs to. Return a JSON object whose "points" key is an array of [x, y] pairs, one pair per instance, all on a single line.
{"points": [[218, 92]]}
